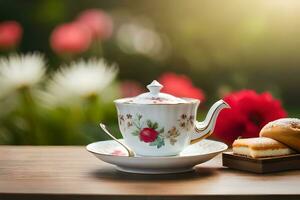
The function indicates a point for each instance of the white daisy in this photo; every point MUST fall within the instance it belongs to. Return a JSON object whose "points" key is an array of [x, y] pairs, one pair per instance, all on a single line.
{"points": [[19, 71], [80, 79]]}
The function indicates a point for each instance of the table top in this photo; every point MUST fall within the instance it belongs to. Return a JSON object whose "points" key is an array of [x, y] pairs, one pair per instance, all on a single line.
{"points": [[70, 172]]}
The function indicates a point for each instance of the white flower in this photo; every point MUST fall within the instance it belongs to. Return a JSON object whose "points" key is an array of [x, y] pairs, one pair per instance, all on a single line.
{"points": [[80, 79], [18, 71]]}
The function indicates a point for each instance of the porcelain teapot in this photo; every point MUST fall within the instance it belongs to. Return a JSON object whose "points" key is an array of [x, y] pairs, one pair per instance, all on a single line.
{"points": [[159, 124]]}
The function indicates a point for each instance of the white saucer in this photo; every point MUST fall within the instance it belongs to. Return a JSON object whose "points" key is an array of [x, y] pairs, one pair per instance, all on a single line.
{"points": [[111, 152]]}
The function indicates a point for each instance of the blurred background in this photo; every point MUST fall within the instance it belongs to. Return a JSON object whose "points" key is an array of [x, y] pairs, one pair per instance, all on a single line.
{"points": [[213, 48]]}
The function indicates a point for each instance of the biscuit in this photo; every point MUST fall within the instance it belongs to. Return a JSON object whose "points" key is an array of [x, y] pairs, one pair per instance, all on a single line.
{"points": [[260, 147]]}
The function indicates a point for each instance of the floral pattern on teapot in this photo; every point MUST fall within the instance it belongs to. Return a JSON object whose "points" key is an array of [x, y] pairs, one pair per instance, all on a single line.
{"points": [[151, 132], [186, 122]]}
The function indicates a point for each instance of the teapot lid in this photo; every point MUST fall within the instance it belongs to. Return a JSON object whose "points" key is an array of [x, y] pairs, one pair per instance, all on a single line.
{"points": [[154, 96]]}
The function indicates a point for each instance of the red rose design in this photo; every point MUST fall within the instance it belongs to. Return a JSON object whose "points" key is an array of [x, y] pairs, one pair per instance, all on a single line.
{"points": [[10, 34], [249, 112], [180, 86], [148, 135]]}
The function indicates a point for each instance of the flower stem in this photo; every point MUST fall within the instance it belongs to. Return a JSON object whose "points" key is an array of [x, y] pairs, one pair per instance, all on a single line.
{"points": [[92, 108], [29, 109]]}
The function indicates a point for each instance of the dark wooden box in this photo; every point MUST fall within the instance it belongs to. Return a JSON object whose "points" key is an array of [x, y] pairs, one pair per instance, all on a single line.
{"points": [[261, 165]]}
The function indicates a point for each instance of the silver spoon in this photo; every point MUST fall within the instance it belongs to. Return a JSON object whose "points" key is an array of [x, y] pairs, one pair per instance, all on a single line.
{"points": [[130, 152]]}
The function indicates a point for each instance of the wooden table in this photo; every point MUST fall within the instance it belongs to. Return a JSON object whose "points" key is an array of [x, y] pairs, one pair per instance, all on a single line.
{"points": [[61, 172]]}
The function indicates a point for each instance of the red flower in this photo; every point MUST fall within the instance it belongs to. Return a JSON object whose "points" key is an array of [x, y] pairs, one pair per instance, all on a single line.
{"points": [[10, 34], [130, 88], [148, 135], [70, 38], [249, 112], [181, 86], [98, 21]]}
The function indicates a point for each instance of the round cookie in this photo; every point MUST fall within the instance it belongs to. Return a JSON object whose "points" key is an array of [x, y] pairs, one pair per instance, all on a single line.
{"points": [[285, 130]]}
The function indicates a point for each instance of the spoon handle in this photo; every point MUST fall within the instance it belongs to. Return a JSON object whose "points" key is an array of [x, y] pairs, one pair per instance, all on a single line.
{"points": [[130, 152]]}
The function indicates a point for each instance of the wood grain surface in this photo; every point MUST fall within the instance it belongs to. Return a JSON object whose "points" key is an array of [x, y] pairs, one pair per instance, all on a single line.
{"points": [[68, 172]]}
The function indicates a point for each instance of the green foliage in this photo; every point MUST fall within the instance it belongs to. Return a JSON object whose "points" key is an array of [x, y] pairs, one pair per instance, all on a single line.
{"points": [[25, 121], [159, 142], [136, 132], [162, 130], [153, 125]]}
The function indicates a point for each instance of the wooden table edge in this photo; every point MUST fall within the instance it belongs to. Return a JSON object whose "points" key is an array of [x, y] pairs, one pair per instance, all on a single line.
{"points": [[45, 196]]}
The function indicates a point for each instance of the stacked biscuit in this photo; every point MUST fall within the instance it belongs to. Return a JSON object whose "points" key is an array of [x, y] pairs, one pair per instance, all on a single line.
{"points": [[277, 138]]}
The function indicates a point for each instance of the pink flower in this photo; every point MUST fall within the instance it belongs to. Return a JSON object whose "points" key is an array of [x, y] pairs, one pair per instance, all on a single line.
{"points": [[118, 152], [180, 86], [249, 112], [130, 88], [100, 23], [148, 135], [70, 38], [10, 34]]}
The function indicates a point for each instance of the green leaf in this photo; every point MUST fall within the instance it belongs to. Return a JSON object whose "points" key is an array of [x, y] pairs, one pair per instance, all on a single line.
{"points": [[158, 139], [136, 125], [149, 124], [155, 125], [161, 143], [153, 143], [162, 130], [135, 133]]}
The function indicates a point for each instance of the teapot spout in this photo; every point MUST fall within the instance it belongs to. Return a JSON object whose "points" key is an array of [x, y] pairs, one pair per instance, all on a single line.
{"points": [[207, 126]]}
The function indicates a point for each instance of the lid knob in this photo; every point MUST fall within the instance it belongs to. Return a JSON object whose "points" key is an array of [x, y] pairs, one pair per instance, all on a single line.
{"points": [[154, 87]]}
